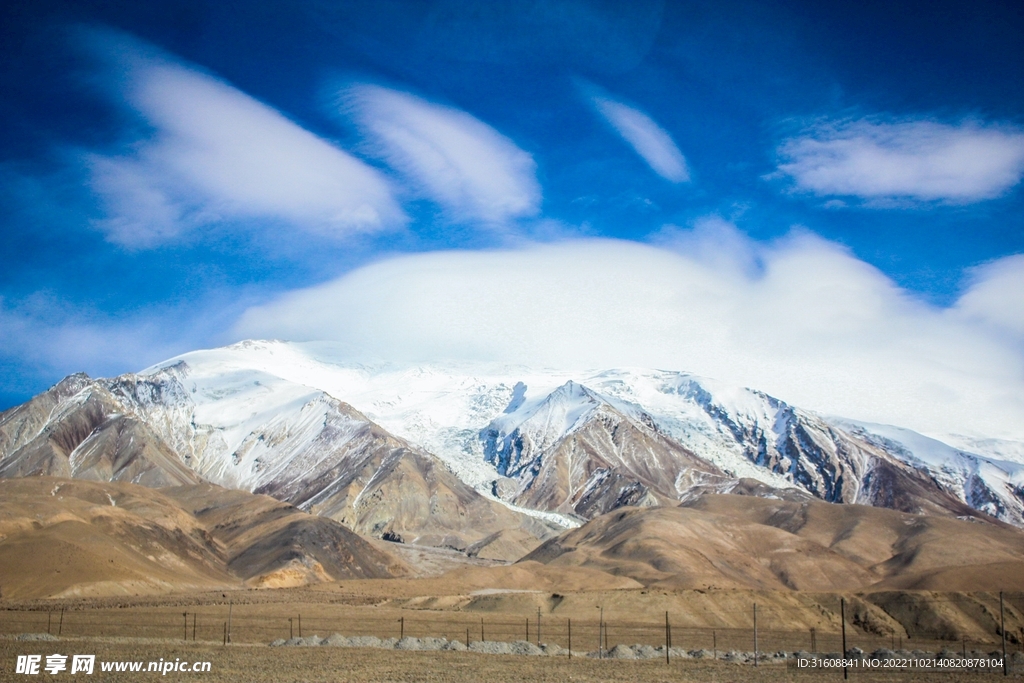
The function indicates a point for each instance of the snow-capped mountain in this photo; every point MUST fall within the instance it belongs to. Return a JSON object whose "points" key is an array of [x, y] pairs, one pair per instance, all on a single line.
{"points": [[458, 410], [990, 484], [427, 451], [250, 430]]}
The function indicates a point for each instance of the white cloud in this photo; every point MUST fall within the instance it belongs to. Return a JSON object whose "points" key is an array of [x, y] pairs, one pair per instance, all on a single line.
{"points": [[800, 318], [996, 296], [916, 160], [469, 168], [649, 140], [216, 153]]}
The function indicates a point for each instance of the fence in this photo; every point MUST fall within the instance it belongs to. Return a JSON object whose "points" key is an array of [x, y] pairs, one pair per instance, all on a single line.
{"points": [[256, 622]]}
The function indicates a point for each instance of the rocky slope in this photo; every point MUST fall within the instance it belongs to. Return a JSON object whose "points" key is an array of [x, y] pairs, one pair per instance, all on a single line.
{"points": [[80, 428]]}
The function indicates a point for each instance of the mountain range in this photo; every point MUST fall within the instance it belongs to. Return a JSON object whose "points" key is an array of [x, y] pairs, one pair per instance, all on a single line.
{"points": [[486, 459]]}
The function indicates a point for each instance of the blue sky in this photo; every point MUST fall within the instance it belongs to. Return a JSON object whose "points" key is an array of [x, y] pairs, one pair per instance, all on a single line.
{"points": [[177, 174]]}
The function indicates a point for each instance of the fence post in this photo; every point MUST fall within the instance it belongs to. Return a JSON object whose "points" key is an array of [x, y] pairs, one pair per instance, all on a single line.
{"points": [[482, 629], [668, 638], [291, 628], [1002, 630], [300, 626], [227, 632], [538, 627], [755, 634], [47, 621], [60, 625], [842, 616], [527, 629], [401, 631], [185, 614], [570, 638], [714, 644], [194, 627]]}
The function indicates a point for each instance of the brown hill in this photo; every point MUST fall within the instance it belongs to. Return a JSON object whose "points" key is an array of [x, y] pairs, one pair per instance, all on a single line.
{"points": [[61, 537], [747, 542]]}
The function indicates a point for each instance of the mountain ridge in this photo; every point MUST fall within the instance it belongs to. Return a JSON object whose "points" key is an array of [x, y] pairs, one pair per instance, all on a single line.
{"points": [[452, 454]]}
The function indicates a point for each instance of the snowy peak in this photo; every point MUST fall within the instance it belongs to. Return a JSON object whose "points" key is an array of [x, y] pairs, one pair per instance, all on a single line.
{"points": [[578, 452], [532, 427]]}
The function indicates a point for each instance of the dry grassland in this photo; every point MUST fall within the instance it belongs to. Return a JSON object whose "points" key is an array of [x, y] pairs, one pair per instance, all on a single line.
{"points": [[255, 664]]}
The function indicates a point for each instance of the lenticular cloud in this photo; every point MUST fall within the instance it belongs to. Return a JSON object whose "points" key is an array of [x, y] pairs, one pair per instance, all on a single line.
{"points": [[648, 139], [216, 153], [801, 318], [468, 167], [917, 160]]}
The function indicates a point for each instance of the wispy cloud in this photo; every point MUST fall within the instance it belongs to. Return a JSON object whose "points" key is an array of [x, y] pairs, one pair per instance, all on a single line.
{"points": [[905, 160], [216, 153], [466, 166], [650, 140], [800, 318]]}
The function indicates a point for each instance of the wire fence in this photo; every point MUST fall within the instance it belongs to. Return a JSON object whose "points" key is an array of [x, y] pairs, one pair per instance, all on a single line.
{"points": [[965, 625]]}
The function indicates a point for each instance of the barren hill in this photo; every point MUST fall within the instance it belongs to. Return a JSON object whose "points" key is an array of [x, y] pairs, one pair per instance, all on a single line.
{"points": [[65, 537], [749, 542]]}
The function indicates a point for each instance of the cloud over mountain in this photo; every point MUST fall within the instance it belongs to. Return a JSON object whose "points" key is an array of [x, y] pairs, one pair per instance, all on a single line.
{"points": [[800, 318]]}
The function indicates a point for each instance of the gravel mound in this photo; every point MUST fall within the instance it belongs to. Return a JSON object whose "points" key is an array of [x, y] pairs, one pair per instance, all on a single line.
{"points": [[621, 652], [734, 656], [702, 654], [455, 645], [520, 647], [36, 636], [309, 641], [648, 652], [365, 641], [410, 643], [490, 647], [278, 643], [336, 640]]}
